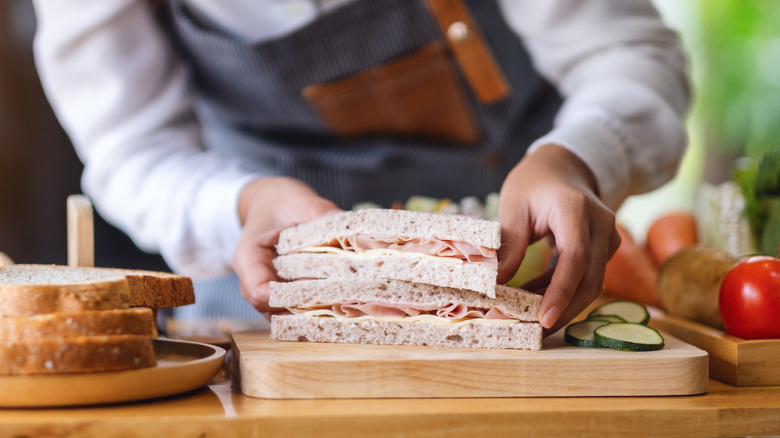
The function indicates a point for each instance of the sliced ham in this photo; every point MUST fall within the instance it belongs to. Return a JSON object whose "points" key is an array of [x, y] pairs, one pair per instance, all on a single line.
{"points": [[455, 312], [434, 247], [374, 309], [459, 311]]}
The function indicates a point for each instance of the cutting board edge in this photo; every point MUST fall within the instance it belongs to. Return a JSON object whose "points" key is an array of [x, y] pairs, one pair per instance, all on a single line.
{"points": [[257, 373]]}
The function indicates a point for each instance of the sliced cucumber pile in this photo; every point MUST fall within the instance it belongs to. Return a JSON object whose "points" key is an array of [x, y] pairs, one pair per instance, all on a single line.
{"points": [[628, 310], [581, 334], [606, 318], [619, 325], [628, 336]]}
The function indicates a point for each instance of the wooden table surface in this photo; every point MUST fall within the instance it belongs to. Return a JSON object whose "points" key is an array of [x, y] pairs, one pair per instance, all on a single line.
{"points": [[219, 410]]}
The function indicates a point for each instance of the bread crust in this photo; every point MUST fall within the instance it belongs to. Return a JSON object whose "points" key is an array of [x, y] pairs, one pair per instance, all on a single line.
{"points": [[136, 321], [39, 289], [523, 336], [391, 223], [29, 300], [77, 355]]}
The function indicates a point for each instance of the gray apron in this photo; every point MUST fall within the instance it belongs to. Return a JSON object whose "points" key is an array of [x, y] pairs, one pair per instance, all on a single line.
{"points": [[248, 99]]}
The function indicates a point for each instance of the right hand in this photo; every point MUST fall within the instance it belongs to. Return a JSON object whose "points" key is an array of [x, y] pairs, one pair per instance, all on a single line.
{"points": [[266, 207], [551, 193]]}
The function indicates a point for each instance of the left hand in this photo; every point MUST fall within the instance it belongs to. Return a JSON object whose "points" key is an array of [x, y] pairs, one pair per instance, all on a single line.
{"points": [[551, 192]]}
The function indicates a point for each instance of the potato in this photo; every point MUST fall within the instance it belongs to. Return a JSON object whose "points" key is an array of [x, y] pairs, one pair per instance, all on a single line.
{"points": [[689, 283]]}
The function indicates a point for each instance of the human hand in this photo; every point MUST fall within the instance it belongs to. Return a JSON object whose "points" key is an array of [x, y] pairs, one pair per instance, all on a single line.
{"points": [[552, 193], [266, 207]]}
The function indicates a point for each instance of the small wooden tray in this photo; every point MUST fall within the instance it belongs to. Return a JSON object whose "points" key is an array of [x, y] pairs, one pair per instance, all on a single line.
{"points": [[737, 361], [306, 370], [181, 366]]}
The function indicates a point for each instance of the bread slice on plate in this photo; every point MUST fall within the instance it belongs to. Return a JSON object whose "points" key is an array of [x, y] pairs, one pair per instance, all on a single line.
{"points": [[77, 355], [61, 319], [433, 248], [136, 321], [37, 289]]}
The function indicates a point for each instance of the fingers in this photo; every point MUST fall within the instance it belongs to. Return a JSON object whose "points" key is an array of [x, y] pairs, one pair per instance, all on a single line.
{"points": [[253, 263], [551, 193], [573, 242], [579, 274], [266, 207]]}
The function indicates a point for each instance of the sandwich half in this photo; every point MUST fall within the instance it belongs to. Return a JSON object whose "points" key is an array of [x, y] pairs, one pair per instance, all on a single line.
{"points": [[392, 312], [432, 248]]}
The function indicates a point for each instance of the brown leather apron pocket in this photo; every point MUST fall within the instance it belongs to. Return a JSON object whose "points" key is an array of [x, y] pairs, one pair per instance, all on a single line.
{"points": [[417, 96]]}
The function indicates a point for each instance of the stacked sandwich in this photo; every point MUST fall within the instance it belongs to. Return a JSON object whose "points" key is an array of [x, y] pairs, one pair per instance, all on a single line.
{"points": [[60, 319], [399, 277]]}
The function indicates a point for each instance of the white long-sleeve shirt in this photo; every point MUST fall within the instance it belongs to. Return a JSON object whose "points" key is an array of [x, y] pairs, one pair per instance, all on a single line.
{"points": [[123, 97]]}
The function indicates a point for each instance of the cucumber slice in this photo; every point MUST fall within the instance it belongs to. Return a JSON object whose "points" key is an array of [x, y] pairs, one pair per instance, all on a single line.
{"points": [[628, 310], [606, 318], [628, 336], [580, 334]]}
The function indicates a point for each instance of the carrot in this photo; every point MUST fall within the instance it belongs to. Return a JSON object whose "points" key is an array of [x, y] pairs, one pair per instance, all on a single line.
{"points": [[631, 273], [669, 234]]}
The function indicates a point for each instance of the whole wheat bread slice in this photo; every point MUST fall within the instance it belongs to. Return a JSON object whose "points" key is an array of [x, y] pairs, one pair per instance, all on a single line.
{"points": [[523, 336], [474, 277], [511, 301], [137, 321], [38, 289], [77, 355], [391, 223]]}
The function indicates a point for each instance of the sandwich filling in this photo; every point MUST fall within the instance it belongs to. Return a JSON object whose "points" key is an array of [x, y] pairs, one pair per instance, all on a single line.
{"points": [[442, 249], [448, 314]]}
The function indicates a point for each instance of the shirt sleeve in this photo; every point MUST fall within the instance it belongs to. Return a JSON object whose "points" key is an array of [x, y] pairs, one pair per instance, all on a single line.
{"points": [[622, 74], [120, 93]]}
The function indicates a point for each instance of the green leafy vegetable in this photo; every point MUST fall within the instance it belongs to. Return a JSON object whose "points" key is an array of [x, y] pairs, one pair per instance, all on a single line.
{"points": [[760, 184]]}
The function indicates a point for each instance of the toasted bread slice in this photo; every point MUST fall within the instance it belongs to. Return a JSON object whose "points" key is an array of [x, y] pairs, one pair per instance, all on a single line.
{"points": [[39, 289], [77, 355], [136, 321]]}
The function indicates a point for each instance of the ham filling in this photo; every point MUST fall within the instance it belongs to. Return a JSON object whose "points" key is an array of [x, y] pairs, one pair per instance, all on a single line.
{"points": [[433, 247], [453, 312]]}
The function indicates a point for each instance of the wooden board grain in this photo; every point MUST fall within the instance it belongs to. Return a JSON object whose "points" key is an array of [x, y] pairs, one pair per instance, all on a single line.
{"points": [[737, 361], [302, 370]]}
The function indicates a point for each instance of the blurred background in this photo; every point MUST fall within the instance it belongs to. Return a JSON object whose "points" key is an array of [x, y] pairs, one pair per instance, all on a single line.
{"points": [[734, 54], [38, 167]]}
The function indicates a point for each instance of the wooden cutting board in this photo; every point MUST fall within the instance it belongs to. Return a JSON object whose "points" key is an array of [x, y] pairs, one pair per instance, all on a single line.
{"points": [[302, 370]]}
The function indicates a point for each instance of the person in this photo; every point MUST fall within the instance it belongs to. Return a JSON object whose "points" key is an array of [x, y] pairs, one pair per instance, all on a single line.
{"points": [[207, 127]]}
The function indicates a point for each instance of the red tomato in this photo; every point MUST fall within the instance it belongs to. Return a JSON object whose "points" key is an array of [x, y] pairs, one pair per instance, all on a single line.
{"points": [[750, 298]]}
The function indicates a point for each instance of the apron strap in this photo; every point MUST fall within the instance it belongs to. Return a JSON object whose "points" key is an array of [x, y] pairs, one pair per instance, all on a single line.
{"points": [[470, 49]]}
